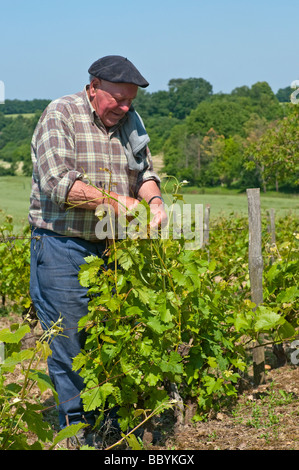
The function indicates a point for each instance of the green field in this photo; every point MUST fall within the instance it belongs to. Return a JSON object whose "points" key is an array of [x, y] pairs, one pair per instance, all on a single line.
{"points": [[227, 204], [15, 193], [24, 115], [14, 198]]}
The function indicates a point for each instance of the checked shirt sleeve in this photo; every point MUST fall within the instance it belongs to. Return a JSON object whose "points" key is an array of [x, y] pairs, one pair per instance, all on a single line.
{"points": [[56, 156], [149, 173]]}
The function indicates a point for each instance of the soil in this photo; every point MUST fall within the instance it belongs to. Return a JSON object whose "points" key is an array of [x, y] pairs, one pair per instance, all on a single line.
{"points": [[262, 418]]}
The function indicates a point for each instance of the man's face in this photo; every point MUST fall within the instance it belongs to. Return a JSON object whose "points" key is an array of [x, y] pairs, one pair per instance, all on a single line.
{"points": [[111, 101]]}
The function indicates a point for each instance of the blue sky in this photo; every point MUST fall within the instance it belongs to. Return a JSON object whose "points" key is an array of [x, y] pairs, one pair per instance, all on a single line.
{"points": [[47, 46]]}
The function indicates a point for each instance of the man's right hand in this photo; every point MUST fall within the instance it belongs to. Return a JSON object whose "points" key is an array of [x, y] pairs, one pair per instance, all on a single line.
{"points": [[90, 198], [122, 204]]}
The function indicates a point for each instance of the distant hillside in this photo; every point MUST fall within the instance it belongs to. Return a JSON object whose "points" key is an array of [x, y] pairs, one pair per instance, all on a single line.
{"points": [[158, 163], [23, 107]]}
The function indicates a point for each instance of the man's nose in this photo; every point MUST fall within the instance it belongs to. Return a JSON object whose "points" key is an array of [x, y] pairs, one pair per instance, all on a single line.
{"points": [[125, 105]]}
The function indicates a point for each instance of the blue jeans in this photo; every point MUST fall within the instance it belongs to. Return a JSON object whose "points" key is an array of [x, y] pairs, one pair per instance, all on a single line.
{"points": [[56, 292]]}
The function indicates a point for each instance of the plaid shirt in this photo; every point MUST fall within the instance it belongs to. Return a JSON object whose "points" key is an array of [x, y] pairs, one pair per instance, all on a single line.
{"points": [[69, 143]]}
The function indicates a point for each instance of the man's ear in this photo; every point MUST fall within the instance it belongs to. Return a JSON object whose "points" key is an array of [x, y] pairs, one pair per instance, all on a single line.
{"points": [[94, 85]]}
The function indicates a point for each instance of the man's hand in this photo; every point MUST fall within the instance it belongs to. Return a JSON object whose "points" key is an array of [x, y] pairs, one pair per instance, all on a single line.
{"points": [[160, 217], [87, 197], [147, 191], [122, 204]]}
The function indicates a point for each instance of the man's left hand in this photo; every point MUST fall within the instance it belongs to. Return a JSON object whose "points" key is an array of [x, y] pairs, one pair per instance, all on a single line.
{"points": [[160, 217]]}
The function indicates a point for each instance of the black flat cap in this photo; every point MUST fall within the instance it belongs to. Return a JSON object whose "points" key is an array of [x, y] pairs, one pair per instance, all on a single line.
{"points": [[117, 69]]}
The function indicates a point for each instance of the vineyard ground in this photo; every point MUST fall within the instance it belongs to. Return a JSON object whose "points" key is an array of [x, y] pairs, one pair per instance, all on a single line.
{"points": [[262, 418]]}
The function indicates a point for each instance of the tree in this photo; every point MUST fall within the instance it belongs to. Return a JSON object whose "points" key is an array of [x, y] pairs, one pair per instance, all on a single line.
{"points": [[276, 153], [154, 104], [182, 155], [283, 95], [183, 96], [23, 154], [229, 161], [18, 129], [264, 101], [186, 94], [174, 158], [3, 121], [24, 107], [241, 91], [159, 129], [227, 117]]}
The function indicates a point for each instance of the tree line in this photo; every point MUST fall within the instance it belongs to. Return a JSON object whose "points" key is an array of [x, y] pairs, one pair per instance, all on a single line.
{"points": [[245, 138], [248, 137]]}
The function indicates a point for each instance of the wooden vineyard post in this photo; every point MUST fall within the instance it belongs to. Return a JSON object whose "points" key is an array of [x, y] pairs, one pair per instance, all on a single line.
{"points": [[271, 229], [255, 260], [2, 354]]}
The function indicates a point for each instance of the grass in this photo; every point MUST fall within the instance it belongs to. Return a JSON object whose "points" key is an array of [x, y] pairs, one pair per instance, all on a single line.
{"points": [[15, 193], [264, 412], [228, 204], [14, 199], [25, 115], [224, 201]]}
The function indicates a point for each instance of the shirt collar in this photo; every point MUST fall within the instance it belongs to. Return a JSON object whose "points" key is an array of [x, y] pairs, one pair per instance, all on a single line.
{"points": [[90, 108]]}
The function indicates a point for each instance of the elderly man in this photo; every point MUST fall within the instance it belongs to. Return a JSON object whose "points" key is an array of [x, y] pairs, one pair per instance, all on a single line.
{"points": [[94, 136]]}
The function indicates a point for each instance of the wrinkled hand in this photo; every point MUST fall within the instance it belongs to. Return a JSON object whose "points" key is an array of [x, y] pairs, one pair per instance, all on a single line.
{"points": [[160, 217], [125, 206], [119, 205], [122, 205]]}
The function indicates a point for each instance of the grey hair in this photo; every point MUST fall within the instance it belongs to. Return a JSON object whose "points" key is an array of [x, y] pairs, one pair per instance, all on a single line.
{"points": [[91, 78]]}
